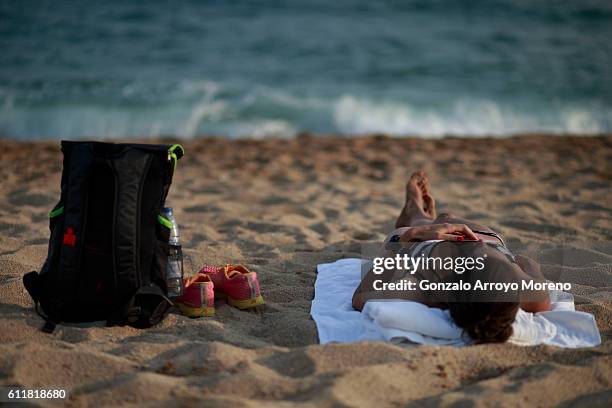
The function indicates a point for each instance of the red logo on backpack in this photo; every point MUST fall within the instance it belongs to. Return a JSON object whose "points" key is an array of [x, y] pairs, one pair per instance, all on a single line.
{"points": [[69, 237]]}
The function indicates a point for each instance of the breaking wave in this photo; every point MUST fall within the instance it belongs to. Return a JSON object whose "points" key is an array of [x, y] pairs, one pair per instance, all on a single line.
{"points": [[206, 108]]}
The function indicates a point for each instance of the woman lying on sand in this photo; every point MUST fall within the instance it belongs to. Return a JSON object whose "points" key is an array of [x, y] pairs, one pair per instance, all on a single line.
{"points": [[419, 230]]}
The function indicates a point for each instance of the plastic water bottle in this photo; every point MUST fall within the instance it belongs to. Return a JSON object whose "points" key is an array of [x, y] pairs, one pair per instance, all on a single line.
{"points": [[174, 268]]}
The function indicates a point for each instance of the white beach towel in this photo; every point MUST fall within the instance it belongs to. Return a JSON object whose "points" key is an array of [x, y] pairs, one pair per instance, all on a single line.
{"points": [[337, 321]]}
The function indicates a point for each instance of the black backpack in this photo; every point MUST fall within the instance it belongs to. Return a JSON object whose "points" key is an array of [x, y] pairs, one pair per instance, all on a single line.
{"points": [[109, 243]]}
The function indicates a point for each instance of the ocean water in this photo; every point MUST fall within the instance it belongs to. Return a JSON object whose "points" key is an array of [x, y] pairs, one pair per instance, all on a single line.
{"points": [[75, 69]]}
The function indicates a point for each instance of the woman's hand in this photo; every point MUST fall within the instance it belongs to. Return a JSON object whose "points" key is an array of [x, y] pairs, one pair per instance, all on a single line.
{"points": [[447, 232]]}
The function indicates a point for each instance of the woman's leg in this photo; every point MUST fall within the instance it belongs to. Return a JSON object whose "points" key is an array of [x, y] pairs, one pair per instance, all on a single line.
{"points": [[419, 207]]}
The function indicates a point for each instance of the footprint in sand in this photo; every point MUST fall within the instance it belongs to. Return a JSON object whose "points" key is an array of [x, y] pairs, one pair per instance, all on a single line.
{"points": [[21, 198], [11, 229]]}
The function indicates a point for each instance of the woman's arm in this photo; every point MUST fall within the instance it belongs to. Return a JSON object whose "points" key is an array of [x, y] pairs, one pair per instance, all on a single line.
{"points": [[365, 290], [538, 301], [447, 232]]}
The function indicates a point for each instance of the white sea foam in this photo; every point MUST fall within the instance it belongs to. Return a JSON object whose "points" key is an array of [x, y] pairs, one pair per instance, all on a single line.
{"points": [[206, 110], [354, 115], [195, 108]]}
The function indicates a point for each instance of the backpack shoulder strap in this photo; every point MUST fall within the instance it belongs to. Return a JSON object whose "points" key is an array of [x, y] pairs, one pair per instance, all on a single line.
{"points": [[65, 285], [130, 171], [31, 282]]}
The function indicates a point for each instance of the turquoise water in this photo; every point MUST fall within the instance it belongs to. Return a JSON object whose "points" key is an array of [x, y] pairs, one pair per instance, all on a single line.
{"points": [[245, 68]]}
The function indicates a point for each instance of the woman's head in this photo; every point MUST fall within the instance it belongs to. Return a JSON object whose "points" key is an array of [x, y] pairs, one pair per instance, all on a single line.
{"points": [[486, 316], [485, 322]]}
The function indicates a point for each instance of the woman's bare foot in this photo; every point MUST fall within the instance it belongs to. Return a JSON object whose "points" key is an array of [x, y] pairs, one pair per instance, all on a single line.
{"points": [[420, 207]]}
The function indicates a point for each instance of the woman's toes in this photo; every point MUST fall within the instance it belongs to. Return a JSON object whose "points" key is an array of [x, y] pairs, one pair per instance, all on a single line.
{"points": [[413, 188], [430, 205], [425, 183], [415, 177]]}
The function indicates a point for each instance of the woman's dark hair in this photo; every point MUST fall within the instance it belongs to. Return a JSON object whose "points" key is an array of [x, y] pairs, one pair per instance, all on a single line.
{"points": [[485, 322], [486, 318]]}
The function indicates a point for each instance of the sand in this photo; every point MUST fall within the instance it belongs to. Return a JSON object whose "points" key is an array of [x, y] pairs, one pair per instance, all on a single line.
{"points": [[283, 206]]}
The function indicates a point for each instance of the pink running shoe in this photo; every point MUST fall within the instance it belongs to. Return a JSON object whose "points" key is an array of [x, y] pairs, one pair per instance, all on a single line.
{"points": [[198, 297], [236, 282]]}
